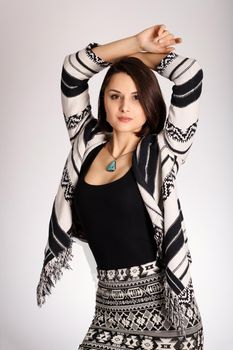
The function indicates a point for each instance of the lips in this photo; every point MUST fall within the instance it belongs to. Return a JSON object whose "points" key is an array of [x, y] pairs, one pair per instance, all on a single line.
{"points": [[124, 119]]}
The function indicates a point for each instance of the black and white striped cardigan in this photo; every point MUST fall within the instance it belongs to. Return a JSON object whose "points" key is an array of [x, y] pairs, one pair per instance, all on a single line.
{"points": [[155, 162]]}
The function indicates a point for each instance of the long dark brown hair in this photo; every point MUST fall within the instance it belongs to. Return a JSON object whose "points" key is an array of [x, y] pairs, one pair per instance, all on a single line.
{"points": [[149, 95]]}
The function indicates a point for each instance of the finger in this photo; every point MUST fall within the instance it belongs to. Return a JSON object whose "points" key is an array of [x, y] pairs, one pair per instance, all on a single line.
{"points": [[170, 41], [175, 41], [161, 29], [162, 35], [178, 40], [169, 49], [165, 37]]}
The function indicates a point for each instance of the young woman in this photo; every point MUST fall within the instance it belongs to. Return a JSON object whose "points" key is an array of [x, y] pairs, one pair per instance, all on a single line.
{"points": [[118, 192]]}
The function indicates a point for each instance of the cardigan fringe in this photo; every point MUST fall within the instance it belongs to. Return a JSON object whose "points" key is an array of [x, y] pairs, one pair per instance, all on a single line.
{"points": [[52, 272], [174, 311]]}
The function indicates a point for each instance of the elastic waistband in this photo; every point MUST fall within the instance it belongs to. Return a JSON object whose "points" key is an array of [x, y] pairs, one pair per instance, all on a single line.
{"points": [[128, 273]]}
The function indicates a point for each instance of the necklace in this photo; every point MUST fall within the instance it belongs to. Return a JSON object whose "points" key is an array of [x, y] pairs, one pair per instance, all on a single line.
{"points": [[112, 165]]}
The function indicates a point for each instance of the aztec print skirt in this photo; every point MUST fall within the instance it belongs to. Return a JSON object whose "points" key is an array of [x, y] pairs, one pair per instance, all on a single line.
{"points": [[129, 313]]}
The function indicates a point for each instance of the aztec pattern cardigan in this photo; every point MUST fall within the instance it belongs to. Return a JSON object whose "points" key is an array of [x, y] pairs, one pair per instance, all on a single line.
{"points": [[155, 162]]}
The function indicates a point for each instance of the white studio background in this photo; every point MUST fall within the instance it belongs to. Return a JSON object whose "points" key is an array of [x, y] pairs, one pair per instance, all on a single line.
{"points": [[35, 37]]}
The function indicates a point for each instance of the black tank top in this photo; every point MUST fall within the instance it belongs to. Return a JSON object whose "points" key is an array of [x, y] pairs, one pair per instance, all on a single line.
{"points": [[115, 220]]}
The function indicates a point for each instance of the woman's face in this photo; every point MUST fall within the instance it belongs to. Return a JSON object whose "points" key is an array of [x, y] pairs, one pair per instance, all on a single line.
{"points": [[121, 100]]}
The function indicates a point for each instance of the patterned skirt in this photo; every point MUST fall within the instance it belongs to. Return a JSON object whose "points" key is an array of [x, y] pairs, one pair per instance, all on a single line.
{"points": [[130, 313]]}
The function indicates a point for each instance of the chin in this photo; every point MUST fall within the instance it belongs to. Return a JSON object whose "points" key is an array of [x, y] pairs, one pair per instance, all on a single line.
{"points": [[124, 129]]}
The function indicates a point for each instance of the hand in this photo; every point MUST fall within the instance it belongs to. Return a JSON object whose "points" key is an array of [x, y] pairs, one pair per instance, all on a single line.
{"points": [[157, 39]]}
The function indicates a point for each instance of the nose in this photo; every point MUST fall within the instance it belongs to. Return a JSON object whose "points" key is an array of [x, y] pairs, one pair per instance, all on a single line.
{"points": [[124, 105]]}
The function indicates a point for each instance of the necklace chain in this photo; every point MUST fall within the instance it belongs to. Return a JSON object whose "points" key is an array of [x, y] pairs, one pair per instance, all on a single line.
{"points": [[119, 155]]}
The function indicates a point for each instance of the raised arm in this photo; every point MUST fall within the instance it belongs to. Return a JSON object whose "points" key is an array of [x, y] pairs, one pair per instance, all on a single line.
{"points": [[183, 115], [77, 69]]}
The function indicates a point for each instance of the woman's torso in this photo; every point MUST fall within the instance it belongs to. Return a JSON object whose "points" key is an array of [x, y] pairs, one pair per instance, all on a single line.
{"points": [[114, 217]]}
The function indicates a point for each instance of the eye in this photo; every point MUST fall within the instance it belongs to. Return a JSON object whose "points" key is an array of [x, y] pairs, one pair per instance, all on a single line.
{"points": [[112, 96]]}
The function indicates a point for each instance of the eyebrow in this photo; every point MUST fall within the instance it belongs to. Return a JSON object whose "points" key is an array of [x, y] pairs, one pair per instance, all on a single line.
{"points": [[134, 92]]}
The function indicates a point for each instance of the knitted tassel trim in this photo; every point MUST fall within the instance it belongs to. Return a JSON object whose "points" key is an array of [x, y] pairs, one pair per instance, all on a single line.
{"points": [[174, 310], [52, 272]]}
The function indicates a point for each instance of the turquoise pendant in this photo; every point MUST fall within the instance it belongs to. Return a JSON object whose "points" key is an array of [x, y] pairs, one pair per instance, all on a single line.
{"points": [[111, 166]]}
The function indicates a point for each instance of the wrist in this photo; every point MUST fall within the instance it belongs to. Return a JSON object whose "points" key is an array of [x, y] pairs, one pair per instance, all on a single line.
{"points": [[138, 43], [132, 45]]}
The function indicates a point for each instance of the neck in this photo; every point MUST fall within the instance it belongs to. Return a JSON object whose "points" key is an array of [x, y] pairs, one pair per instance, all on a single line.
{"points": [[121, 143]]}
